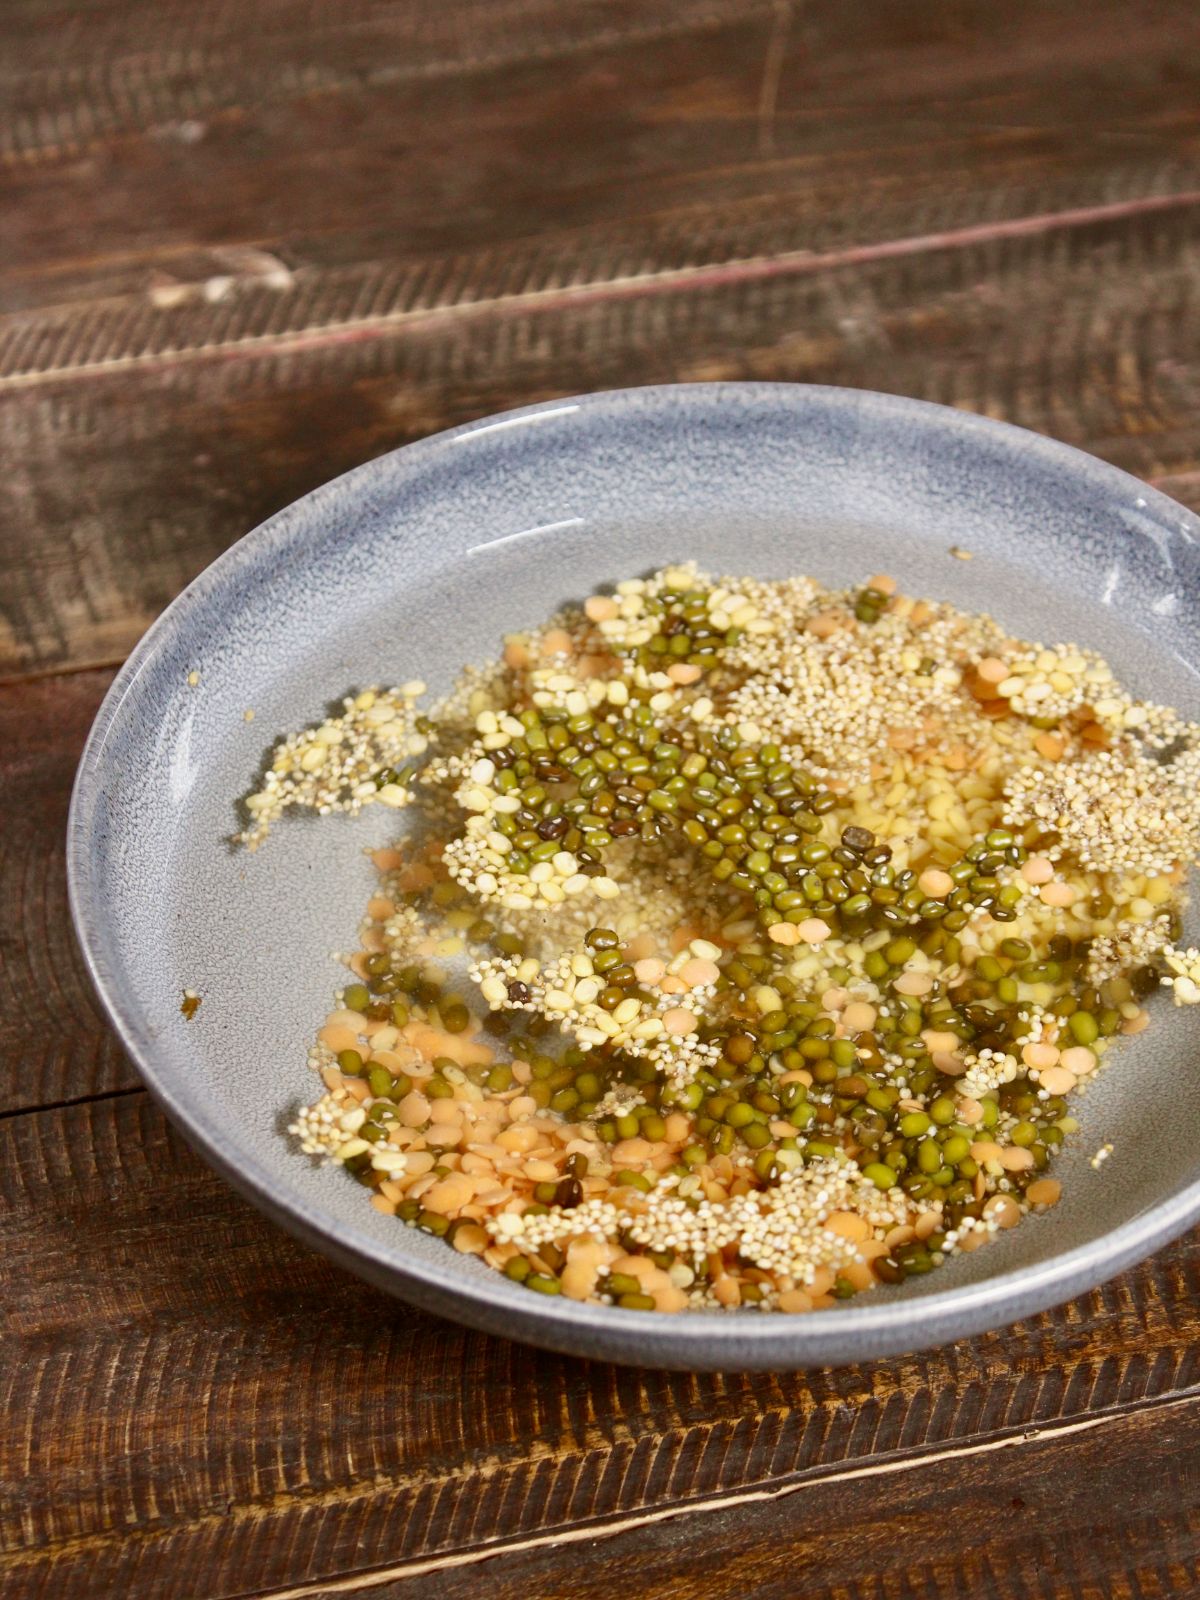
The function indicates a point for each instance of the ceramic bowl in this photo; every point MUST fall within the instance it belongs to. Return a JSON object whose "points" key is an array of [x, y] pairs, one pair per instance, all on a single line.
{"points": [[416, 563]]}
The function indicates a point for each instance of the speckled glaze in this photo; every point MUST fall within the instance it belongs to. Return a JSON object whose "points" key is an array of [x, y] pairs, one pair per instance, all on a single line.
{"points": [[415, 564]]}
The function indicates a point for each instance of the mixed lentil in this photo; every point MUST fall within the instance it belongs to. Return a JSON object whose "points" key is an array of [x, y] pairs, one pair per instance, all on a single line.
{"points": [[748, 940]]}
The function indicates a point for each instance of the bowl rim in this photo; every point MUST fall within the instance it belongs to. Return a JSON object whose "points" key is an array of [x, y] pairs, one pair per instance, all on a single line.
{"points": [[700, 1341]]}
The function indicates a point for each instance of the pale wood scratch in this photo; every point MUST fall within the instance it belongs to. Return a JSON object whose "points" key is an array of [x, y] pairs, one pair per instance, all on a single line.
{"points": [[768, 94]]}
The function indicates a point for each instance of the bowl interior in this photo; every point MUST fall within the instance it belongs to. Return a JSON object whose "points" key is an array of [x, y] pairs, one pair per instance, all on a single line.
{"points": [[415, 565]]}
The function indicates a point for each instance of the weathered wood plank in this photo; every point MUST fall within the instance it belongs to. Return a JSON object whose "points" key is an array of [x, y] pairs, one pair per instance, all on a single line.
{"points": [[128, 482], [54, 1044], [136, 69], [1044, 1515], [169, 148], [186, 1391], [263, 313]]}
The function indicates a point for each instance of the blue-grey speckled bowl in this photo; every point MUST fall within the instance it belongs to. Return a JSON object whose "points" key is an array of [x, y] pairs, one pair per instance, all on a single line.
{"points": [[416, 563]]}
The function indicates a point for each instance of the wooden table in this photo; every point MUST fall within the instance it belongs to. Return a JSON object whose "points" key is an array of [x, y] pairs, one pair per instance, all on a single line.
{"points": [[248, 246]]}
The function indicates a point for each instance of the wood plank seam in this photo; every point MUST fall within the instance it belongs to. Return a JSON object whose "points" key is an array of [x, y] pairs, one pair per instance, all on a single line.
{"points": [[73, 1100]]}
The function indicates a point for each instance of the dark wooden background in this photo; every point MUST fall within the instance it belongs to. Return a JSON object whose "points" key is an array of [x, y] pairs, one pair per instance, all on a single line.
{"points": [[244, 246]]}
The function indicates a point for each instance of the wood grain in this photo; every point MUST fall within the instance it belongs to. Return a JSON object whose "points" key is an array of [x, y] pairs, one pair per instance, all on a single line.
{"points": [[1047, 1512], [135, 67], [186, 1391], [329, 135]]}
